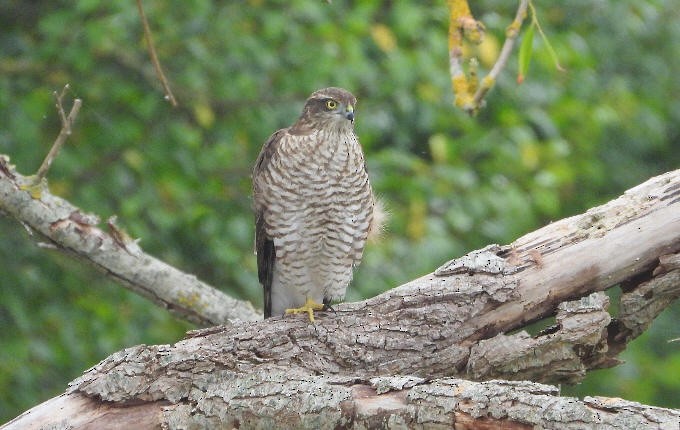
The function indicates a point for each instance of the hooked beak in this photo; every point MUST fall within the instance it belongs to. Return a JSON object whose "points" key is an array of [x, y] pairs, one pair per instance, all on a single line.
{"points": [[349, 113]]}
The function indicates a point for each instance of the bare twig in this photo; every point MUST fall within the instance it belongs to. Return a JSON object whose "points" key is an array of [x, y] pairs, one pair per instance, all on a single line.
{"points": [[510, 36], [66, 123], [60, 108], [154, 58]]}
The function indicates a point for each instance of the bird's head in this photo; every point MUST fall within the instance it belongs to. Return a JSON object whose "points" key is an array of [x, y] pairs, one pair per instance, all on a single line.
{"points": [[330, 107]]}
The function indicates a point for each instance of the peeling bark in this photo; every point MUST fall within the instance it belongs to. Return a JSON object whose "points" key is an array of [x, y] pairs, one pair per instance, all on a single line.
{"points": [[393, 360], [284, 400], [576, 344]]}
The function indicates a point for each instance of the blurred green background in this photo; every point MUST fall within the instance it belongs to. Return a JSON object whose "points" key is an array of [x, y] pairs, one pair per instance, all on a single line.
{"points": [[179, 179]]}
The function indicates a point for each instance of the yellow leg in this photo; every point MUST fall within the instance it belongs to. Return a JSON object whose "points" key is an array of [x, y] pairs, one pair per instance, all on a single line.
{"points": [[310, 306]]}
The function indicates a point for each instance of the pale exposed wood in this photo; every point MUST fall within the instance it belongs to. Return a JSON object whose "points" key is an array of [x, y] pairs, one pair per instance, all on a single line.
{"points": [[76, 411], [344, 370]]}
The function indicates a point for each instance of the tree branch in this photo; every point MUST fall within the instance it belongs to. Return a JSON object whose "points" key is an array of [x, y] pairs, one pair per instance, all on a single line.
{"points": [[449, 324], [77, 233], [291, 400], [468, 90], [66, 123], [510, 37]]}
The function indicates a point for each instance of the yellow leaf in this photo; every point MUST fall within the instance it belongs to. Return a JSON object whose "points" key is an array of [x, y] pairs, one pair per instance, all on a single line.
{"points": [[488, 51], [438, 148], [417, 215], [530, 155], [204, 115], [133, 158], [383, 37]]}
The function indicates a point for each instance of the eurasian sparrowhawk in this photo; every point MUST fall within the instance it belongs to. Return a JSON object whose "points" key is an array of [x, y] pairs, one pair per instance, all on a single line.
{"points": [[314, 207]]}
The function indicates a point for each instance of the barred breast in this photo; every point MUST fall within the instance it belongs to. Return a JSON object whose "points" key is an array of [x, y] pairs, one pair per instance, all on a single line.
{"points": [[318, 209]]}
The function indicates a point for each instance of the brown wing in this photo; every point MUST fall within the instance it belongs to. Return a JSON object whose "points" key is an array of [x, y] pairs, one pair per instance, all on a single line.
{"points": [[264, 245], [266, 255]]}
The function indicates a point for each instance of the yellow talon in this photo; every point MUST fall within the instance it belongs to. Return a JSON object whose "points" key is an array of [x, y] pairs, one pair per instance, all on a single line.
{"points": [[310, 306]]}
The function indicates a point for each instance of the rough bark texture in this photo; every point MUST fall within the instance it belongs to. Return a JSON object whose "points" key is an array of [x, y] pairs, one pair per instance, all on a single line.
{"points": [[291, 400], [344, 370]]}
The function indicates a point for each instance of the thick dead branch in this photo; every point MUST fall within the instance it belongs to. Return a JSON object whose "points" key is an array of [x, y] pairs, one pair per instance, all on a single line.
{"points": [[343, 370], [290, 400], [71, 230]]}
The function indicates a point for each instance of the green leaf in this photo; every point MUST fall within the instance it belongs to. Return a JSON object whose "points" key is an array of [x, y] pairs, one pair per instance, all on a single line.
{"points": [[525, 53]]}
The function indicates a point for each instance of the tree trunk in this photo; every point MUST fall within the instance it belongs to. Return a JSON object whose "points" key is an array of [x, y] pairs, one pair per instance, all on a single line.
{"points": [[288, 399], [394, 360]]}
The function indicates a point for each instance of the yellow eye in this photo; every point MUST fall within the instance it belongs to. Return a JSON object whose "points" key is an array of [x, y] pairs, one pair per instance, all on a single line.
{"points": [[331, 104]]}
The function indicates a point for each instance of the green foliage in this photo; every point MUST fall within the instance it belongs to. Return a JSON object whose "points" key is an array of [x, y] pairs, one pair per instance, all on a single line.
{"points": [[180, 178], [525, 50]]}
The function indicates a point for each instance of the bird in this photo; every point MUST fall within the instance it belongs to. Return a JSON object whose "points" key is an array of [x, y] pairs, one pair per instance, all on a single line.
{"points": [[314, 207]]}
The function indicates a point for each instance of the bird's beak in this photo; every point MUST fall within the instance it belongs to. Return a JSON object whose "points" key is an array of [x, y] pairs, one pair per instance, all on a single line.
{"points": [[349, 113]]}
